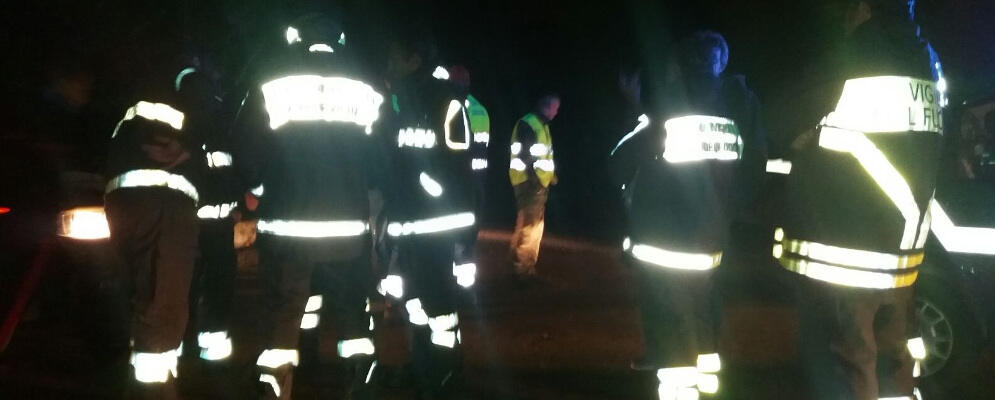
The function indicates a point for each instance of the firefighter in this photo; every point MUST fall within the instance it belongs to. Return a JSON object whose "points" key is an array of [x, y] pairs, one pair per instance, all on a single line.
{"points": [[154, 161], [682, 159], [306, 148], [480, 127], [430, 208], [532, 171], [867, 132]]}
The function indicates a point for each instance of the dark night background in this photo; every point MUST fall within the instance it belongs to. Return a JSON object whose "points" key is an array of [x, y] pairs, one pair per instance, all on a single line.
{"points": [[72, 67]]}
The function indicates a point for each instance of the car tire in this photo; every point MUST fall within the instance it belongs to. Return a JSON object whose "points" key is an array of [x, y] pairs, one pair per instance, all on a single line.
{"points": [[948, 330]]}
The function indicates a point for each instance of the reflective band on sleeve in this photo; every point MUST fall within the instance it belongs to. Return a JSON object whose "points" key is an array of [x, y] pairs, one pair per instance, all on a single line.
{"points": [[676, 259], [440, 73], [309, 321], [644, 121], [701, 137], [416, 137], [478, 164], [392, 285], [214, 346], [850, 257], [517, 164], [431, 187], [218, 159], [539, 150], [320, 48], [178, 83], [416, 315], [153, 112], [313, 303], [917, 348], [217, 211], [545, 165], [456, 108], [275, 358], [466, 274], [318, 98], [153, 178], [482, 137], [431, 225], [313, 229], [155, 367], [516, 148], [848, 277], [443, 322], [888, 104], [960, 239], [444, 338], [258, 191], [271, 380], [884, 174], [351, 347], [779, 166], [709, 363]]}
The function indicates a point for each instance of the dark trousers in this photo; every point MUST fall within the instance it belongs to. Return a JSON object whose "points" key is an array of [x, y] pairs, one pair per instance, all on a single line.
{"points": [[866, 330], [678, 314], [286, 269], [155, 232], [215, 275], [530, 197]]}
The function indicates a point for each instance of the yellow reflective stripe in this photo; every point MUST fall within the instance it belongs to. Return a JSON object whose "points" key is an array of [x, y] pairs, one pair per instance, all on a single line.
{"points": [[848, 277], [884, 174], [848, 257], [888, 104], [960, 239], [676, 259], [153, 178]]}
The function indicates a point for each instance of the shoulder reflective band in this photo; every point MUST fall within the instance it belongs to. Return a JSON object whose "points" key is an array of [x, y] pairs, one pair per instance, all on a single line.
{"points": [[466, 274], [214, 346], [848, 276], [416, 137], [431, 187], [320, 48], [779, 166], [960, 239], [153, 112], [701, 137], [884, 174], [545, 165], [478, 164], [482, 137], [440, 73], [275, 358], [431, 225], [155, 367], [675, 259], [443, 322], [644, 121], [152, 178], [218, 159], [844, 256], [416, 314], [183, 74], [888, 104], [313, 229], [216, 211], [456, 108], [351, 347], [319, 98], [293, 35]]}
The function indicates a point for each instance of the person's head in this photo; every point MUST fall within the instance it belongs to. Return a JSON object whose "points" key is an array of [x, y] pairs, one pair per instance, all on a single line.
{"points": [[548, 105], [460, 77], [704, 53], [409, 53], [860, 11]]}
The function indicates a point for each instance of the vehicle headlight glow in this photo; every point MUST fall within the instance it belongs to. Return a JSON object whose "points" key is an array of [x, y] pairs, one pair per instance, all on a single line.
{"points": [[86, 223]]}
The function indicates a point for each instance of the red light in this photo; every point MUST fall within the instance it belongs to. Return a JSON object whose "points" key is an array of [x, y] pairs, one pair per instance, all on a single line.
{"points": [[4, 210]]}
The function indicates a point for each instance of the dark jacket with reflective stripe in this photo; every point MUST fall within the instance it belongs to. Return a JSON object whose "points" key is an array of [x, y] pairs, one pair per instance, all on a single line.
{"points": [[687, 207], [311, 170], [422, 103], [830, 198]]}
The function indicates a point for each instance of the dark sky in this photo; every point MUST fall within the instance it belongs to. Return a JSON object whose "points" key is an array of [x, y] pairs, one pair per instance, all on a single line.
{"points": [[513, 48]]}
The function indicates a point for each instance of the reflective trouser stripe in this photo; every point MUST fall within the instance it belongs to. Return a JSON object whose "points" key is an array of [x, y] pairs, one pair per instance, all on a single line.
{"points": [[214, 346], [359, 346], [153, 178], [680, 383], [673, 259], [155, 367], [856, 258], [275, 358], [432, 225], [313, 229], [848, 276]]}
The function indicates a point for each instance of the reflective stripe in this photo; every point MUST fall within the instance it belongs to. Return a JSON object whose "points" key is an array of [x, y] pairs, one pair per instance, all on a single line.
{"points": [[443, 322], [708, 383], [271, 380], [539, 150], [416, 137], [214, 345], [153, 112], [678, 376], [677, 393], [444, 338], [884, 174], [258, 191], [274, 358], [319, 98], [309, 321], [431, 187], [369, 375], [779, 166], [456, 108], [709, 363], [320, 48], [218, 159], [847, 276], [626, 243], [687, 382], [846, 257], [545, 165], [644, 121], [431, 225], [153, 178], [887, 104], [392, 285], [440, 73], [482, 137], [917, 348], [516, 148], [960, 239], [701, 137], [517, 164], [416, 315], [676, 259], [177, 84], [466, 274], [293, 35], [313, 229], [351, 347], [478, 164], [216, 211], [313, 303], [155, 367]]}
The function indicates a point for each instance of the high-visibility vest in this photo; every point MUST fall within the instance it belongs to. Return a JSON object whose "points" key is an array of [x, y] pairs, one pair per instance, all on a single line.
{"points": [[480, 122], [541, 151], [857, 205]]}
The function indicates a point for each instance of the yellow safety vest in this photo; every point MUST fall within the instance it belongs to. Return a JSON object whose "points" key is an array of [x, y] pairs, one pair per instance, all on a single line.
{"points": [[541, 151], [480, 122]]}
